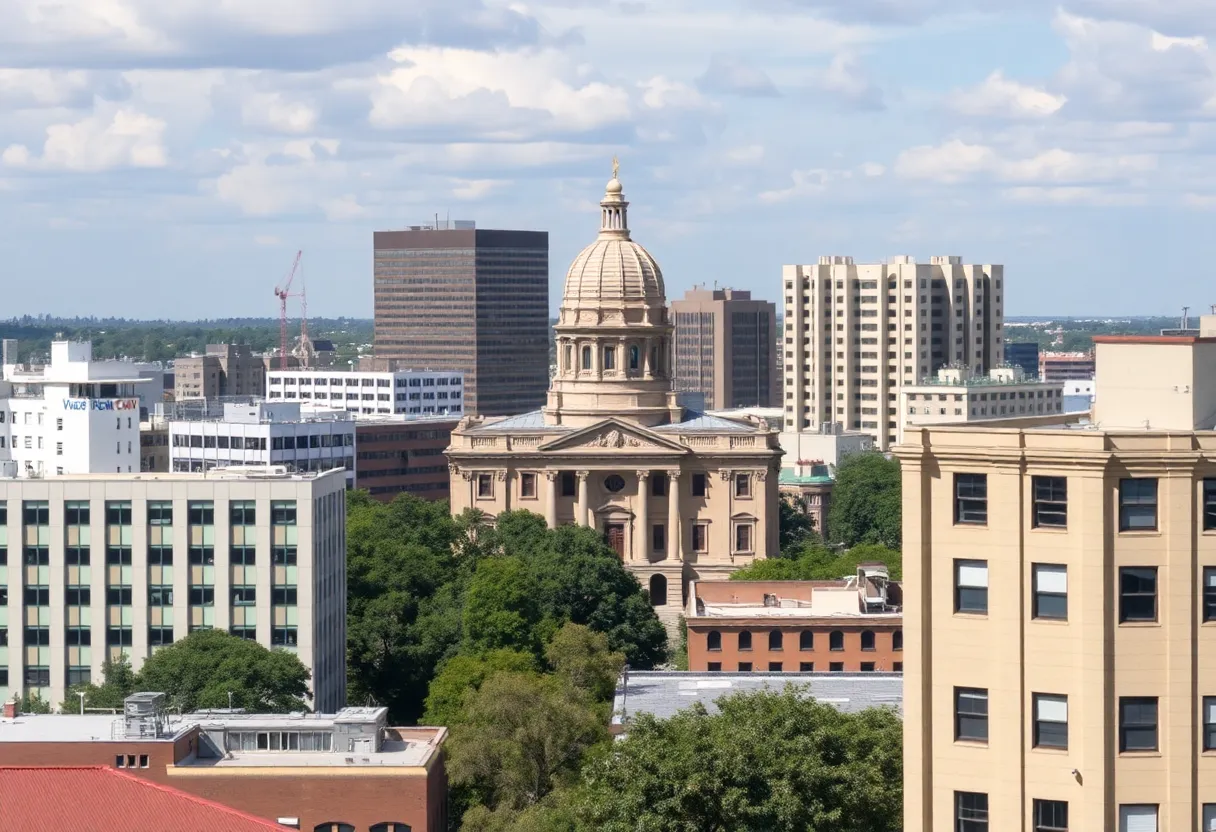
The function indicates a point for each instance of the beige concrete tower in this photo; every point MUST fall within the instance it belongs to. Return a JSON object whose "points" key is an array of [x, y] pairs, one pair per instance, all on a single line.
{"points": [[613, 334]]}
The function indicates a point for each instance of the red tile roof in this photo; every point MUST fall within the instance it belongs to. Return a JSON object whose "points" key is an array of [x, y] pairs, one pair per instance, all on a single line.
{"points": [[100, 799]]}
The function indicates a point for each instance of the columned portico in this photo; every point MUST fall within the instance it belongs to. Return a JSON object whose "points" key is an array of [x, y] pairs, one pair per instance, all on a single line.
{"points": [[581, 512], [641, 538], [551, 499], [674, 550]]}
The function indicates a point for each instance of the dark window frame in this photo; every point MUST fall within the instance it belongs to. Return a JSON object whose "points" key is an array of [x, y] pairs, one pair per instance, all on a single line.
{"points": [[1048, 604], [1133, 606], [1050, 816], [967, 597], [1048, 733], [1133, 495], [970, 812], [970, 718], [1050, 502], [971, 499], [1139, 707]]}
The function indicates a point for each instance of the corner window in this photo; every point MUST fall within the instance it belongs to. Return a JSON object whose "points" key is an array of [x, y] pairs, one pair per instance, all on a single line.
{"points": [[1050, 721], [1050, 599], [971, 586], [1137, 505], [971, 714], [971, 499], [1050, 502], [745, 640], [485, 486], [1137, 723], [1138, 593], [1051, 816], [713, 641], [970, 812]]}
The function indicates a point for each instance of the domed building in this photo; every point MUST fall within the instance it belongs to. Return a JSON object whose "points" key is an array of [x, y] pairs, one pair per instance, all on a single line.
{"points": [[679, 495]]}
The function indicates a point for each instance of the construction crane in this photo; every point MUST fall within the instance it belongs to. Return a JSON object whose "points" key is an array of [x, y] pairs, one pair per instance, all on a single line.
{"points": [[283, 294]]}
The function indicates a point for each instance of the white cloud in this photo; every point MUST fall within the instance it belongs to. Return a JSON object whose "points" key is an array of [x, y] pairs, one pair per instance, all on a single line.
{"points": [[506, 94], [746, 155], [957, 160], [343, 208], [111, 138], [1073, 195], [848, 81], [273, 111], [1001, 97], [735, 75]]}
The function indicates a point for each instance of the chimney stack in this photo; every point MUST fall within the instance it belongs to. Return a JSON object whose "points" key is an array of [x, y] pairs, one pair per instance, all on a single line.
{"points": [[11, 709]]}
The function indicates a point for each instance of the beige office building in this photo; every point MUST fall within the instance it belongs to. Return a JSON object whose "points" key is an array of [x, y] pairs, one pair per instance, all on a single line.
{"points": [[1060, 609], [856, 333], [680, 495], [956, 394], [724, 348], [94, 565], [225, 370]]}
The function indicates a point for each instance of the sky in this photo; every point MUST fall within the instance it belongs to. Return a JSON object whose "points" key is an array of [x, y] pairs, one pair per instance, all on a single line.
{"points": [[167, 159]]}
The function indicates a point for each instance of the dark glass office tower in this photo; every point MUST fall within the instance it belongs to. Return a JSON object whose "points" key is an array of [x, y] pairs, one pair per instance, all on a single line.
{"points": [[454, 297]]}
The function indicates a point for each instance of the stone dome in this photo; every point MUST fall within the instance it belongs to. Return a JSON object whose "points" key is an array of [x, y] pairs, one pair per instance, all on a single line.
{"points": [[614, 270]]}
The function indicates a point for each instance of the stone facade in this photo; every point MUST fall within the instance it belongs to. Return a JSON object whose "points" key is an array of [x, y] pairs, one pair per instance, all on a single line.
{"points": [[679, 495]]}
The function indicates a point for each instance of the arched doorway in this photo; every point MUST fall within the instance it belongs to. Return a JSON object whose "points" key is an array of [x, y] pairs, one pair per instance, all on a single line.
{"points": [[658, 590]]}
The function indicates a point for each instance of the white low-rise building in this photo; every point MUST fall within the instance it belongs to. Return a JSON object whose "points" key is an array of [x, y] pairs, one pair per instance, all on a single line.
{"points": [[418, 392], [71, 416], [264, 433], [957, 395]]}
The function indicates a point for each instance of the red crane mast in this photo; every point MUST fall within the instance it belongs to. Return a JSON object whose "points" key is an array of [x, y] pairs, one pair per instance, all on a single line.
{"points": [[283, 294]]}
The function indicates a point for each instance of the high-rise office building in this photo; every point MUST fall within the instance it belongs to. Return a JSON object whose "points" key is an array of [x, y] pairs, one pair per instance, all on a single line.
{"points": [[225, 370], [855, 333], [724, 347], [1024, 354], [1060, 608], [96, 565], [454, 297]]}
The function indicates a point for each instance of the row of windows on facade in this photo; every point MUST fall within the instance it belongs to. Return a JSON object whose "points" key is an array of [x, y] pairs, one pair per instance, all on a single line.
{"points": [[1005, 410], [868, 640], [160, 512], [306, 381], [613, 483], [200, 595], [258, 443], [1049, 496], [804, 667], [938, 283], [442, 395], [609, 362], [158, 555]]}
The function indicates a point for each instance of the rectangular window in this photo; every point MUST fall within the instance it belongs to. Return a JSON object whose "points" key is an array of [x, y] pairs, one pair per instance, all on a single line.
{"points": [[806, 667], [743, 537], [1209, 724], [1050, 599], [1138, 817], [1137, 723], [971, 714], [1050, 816], [700, 537], [971, 498], [1137, 505], [970, 812], [1209, 817], [1209, 593], [527, 486], [745, 667], [1138, 593], [658, 537], [971, 586], [743, 485], [485, 486], [1050, 721], [774, 667], [1209, 507], [714, 667], [836, 667], [1050, 502], [699, 485], [569, 486]]}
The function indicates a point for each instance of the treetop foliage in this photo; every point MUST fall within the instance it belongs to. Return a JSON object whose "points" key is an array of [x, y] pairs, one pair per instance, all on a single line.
{"points": [[866, 505]]}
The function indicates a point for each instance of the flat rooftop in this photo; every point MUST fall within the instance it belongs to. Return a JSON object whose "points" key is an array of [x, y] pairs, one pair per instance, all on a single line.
{"points": [[665, 693], [393, 753], [249, 473], [79, 728]]}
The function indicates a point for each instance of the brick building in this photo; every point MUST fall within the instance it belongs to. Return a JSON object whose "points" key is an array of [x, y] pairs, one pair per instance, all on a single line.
{"points": [[316, 772], [400, 454], [848, 626]]}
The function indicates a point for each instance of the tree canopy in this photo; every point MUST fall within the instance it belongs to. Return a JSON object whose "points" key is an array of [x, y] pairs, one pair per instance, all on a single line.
{"points": [[118, 682], [200, 670], [816, 562], [795, 527], [866, 501]]}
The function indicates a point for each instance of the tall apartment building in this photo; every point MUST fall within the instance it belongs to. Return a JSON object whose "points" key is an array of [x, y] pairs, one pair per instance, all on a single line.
{"points": [[71, 416], [372, 393], [225, 370], [96, 565], [855, 333], [454, 297], [1060, 609], [724, 347]]}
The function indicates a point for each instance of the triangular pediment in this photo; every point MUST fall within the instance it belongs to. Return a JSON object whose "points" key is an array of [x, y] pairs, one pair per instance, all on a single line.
{"points": [[615, 437]]}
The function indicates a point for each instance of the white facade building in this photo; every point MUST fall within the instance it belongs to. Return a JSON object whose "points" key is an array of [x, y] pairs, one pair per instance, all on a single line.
{"points": [[856, 334], [829, 444], [265, 433], [72, 416], [414, 392], [96, 565], [956, 395]]}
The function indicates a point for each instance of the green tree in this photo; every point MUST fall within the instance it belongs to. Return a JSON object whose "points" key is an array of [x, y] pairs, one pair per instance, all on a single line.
{"points": [[463, 675], [32, 703], [796, 527], [501, 608], [582, 658], [766, 762], [820, 563], [523, 736], [866, 501], [200, 671], [118, 682]]}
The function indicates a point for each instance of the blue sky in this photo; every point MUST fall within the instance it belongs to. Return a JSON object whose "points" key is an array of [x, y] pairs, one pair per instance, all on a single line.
{"points": [[167, 159]]}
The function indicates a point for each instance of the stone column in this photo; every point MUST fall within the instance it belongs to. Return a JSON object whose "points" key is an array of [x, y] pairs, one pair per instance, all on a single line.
{"points": [[580, 513], [674, 550], [504, 477], [551, 499], [760, 533], [641, 538]]}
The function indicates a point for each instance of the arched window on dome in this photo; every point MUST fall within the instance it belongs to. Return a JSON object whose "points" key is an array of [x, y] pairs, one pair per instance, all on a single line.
{"points": [[586, 358], [635, 357], [609, 358]]}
